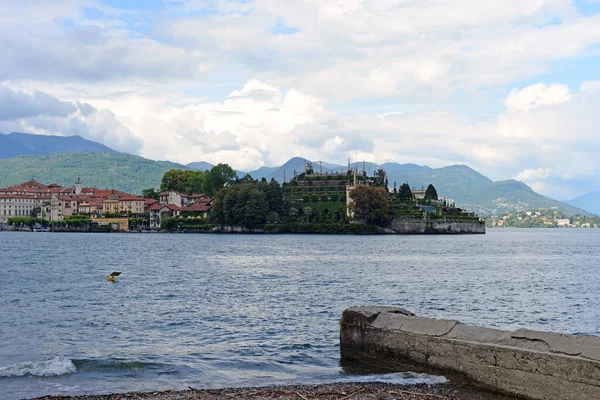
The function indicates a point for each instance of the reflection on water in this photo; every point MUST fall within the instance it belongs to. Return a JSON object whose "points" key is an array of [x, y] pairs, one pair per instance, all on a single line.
{"points": [[219, 310]]}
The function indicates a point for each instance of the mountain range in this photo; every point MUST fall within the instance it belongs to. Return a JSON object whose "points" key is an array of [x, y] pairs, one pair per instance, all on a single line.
{"points": [[59, 159], [19, 144]]}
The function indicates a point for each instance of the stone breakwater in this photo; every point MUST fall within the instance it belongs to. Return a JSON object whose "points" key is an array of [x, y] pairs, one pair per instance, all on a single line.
{"points": [[523, 363]]}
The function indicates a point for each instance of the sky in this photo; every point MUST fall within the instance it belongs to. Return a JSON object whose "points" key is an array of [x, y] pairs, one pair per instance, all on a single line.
{"points": [[510, 88]]}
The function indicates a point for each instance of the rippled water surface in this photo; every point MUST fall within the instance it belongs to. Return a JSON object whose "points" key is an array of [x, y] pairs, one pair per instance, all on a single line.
{"points": [[241, 310]]}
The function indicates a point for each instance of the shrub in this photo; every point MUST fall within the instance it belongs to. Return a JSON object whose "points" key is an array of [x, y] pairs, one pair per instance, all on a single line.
{"points": [[314, 198], [324, 198], [334, 197]]}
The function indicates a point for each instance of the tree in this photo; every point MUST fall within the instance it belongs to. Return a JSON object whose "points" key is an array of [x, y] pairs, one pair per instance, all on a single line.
{"points": [[245, 179], [274, 194], [183, 181], [150, 193], [431, 193], [370, 204], [405, 193], [380, 178], [256, 208], [218, 177]]}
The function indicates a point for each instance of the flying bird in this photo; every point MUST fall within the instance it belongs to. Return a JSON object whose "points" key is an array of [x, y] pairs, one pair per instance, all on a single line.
{"points": [[113, 276]]}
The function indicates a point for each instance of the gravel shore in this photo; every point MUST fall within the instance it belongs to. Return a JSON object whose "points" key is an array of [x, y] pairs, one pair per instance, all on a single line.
{"points": [[335, 391]]}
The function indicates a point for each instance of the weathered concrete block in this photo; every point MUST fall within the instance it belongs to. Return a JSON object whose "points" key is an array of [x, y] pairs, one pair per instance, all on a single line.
{"points": [[524, 363]]}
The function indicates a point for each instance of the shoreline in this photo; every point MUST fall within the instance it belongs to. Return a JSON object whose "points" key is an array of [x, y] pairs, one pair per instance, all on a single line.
{"points": [[327, 391]]}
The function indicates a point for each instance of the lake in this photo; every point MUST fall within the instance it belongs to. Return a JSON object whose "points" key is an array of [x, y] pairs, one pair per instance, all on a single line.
{"points": [[212, 311]]}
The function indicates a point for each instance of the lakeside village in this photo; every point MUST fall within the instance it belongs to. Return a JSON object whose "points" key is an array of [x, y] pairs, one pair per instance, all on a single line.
{"points": [[217, 200], [542, 218]]}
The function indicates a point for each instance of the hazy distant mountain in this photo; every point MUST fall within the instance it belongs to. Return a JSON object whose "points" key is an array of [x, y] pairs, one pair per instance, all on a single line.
{"points": [[589, 202], [15, 144], [10, 148], [200, 165]]}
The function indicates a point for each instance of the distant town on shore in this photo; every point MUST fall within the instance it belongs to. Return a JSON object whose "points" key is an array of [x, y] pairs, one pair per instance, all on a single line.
{"points": [[217, 200]]}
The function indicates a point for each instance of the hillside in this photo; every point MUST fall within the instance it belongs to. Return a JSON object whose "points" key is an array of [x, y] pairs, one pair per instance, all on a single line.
{"points": [[589, 202], [15, 144], [471, 190], [103, 170]]}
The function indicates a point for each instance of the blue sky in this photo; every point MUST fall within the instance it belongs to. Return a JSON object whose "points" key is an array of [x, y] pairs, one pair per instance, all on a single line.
{"points": [[509, 88]]}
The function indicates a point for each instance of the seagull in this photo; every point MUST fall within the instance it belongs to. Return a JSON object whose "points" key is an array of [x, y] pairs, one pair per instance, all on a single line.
{"points": [[113, 276]]}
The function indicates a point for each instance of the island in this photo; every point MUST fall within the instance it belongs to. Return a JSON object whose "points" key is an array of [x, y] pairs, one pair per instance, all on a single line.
{"points": [[219, 201]]}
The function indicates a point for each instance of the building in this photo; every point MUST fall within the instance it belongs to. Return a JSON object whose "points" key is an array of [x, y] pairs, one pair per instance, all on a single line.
{"points": [[563, 222], [55, 203], [177, 205], [131, 205], [419, 194]]}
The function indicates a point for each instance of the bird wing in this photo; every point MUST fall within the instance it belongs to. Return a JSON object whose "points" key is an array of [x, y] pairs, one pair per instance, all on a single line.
{"points": [[115, 274]]}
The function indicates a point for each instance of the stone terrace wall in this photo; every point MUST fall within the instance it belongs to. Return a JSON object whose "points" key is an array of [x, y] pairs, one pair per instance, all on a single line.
{"points": [[417, 225], [524, 363]]}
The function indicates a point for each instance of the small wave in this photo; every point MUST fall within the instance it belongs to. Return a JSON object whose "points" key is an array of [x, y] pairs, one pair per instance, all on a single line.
{"points": [[400, 378], [54, 366], [113, 365]]}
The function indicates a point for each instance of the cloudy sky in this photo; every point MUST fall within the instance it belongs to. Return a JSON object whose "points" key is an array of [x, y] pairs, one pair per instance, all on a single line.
{"points": [[510, 88]]}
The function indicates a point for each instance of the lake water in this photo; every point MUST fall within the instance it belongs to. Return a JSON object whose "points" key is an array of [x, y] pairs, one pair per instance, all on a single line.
{"points": [[246, 310]]}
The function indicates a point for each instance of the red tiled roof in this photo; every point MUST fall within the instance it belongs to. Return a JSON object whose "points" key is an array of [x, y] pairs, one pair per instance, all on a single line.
{"points": [[149, 202], [155, 207], [198, 207], [131, 198], [172, 207], [198, 195], [32, 184], [164, 194]]}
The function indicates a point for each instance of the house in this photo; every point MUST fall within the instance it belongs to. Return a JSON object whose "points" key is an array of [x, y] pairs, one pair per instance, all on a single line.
{"points": [[110, 206], [563, 222], [178, 199], [152, 209], [419, 194], [131, 205], [183, 206]]}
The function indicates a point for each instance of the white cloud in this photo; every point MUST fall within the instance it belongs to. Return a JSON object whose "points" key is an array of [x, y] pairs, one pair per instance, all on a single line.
{"points": [[297, 66], [536, 95], [41, 113]]}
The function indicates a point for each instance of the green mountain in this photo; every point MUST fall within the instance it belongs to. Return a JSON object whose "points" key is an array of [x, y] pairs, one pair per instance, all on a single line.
{"points": [[471, 190], [103, 170], [15, 144]]}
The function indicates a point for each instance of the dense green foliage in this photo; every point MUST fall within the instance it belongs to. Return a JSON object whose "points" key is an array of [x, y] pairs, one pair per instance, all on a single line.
{"points": [[182, 181], [370, 204], [78, 221], [27, 221], [248, 203], [405, 193], [189, 181], [151, 193], [431, 193]]}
